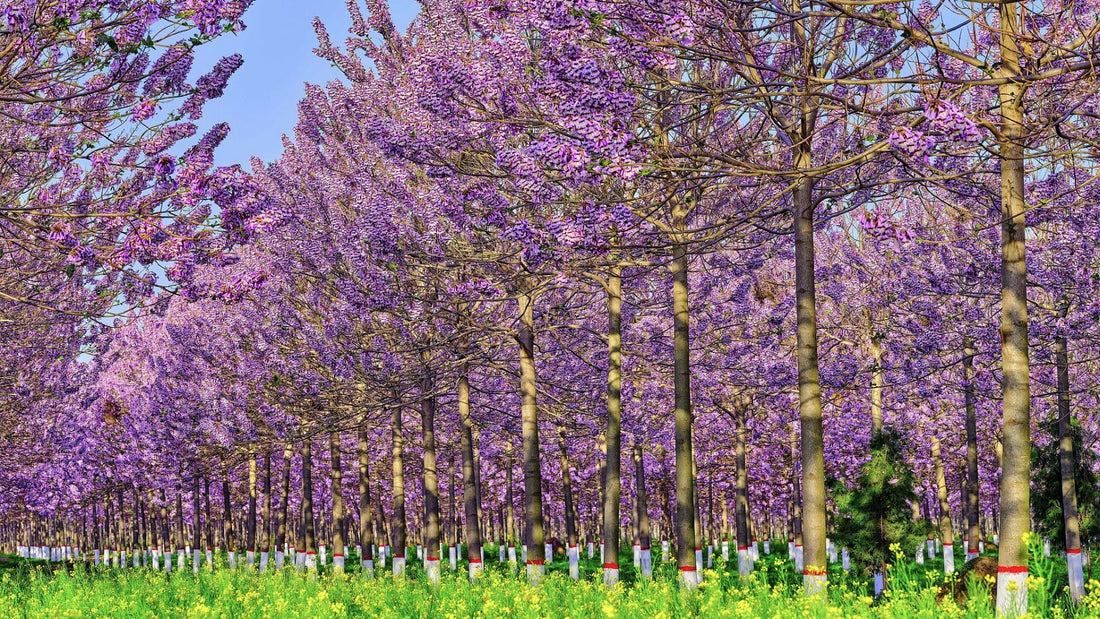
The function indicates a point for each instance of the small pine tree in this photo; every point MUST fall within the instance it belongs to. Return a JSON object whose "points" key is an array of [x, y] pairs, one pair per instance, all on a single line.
{"points": [[875, 513], [1046, 489]]}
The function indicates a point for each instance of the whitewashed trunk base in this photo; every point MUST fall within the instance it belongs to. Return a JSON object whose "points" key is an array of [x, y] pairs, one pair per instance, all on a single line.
{"points": [[1011, 593], [1075, 565]]}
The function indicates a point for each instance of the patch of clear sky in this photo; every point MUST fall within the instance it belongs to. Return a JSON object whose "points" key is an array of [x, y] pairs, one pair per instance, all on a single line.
{"points": [[261, 102]]}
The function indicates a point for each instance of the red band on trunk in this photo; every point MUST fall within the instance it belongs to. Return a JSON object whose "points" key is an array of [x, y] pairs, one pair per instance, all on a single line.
{"points": [[337, 555], [475, 560], [814, 571], [572, 545], [798, 545], [398, 556], [610, 566], [697, 549], [645, 547], [687, 568], [535, 562], [1012, 569], [948, 544], [742, 547], [310, 553], [432, 559], [1073, 551]]}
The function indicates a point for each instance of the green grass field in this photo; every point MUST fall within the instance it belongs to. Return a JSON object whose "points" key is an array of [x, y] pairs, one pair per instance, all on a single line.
{"points": [[35, 589]]}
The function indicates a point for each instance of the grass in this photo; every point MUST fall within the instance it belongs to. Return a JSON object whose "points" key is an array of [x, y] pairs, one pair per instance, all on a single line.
{"points": [[35, 589]]}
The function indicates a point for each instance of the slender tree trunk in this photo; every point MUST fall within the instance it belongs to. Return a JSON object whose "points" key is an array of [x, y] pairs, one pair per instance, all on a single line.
{"points": [[974, 533], [644, 540], [250, 524], [265, 541], [572, 552], [685, 504], [947, 534], [1066, 460], [431, 480], [284, 509], [1014, 504], [398, 530], [469, 478], [310, 536], [876, 384], [509, 507], [366, 512], [532, 472], [612, 470], [809, 388], [337, 504], [741, 513]]}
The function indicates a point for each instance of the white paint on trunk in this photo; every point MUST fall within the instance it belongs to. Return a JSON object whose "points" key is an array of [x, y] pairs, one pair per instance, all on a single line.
{"points": [[548, 552], [845, 560], [664, 551], [399, 566], [725, 550], [919, 555], [1011, 592], [689, 577], [574, 562], [366, 566], [511, 554], [322, 555], [232, 557], [338, 564], [476, 568], [948, 558], [637, 555], [195, 560], [798, 565], [591, 550], [610, 574], [1075, 566], [431, 567], [535, 572], [279, 557], [311, 561], [699, 560], [744, 561], [264, 558], [647, 563], [453, 556], [250, 558], [767, 547], [880, 583]]}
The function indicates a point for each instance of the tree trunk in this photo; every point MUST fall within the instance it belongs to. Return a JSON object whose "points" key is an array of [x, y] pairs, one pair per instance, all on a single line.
{"points": [[398, 531], [876, 384], [431, 480], [1014, 504], [284, 509], [265, 541], [947, 535], [469, 477], [309, 533], [640, 500], [809, 388], [366, 511], [1066, 460], [974, 533], [741, 513], [572, 552], [250, 525], [532, 473], [685, 504], [337, 505], [612, 470]]}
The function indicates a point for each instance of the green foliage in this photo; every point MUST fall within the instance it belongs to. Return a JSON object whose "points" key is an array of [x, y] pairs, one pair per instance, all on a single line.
{"points": [[1046, 489], [875, 514]]}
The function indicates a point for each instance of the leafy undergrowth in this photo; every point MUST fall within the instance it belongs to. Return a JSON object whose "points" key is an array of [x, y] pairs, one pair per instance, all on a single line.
{"points": [[774, 590]]}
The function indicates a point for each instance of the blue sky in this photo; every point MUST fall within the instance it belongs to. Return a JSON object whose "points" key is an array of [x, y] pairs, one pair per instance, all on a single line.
{"points": [[261, 101]]}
